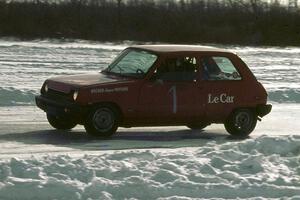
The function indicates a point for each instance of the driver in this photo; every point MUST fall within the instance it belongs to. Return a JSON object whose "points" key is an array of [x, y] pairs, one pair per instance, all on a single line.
{"points": [[210, 69]]}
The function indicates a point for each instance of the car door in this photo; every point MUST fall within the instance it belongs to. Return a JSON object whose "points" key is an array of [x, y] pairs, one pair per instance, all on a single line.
{"points": [[221, 85], [170, 96]]}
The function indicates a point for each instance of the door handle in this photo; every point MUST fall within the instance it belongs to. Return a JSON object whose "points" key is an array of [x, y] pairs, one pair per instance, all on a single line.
{"points": [[157, 82]]}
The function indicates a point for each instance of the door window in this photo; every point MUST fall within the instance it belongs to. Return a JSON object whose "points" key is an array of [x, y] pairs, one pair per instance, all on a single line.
{"points": [[219, 68], [177, 69]]}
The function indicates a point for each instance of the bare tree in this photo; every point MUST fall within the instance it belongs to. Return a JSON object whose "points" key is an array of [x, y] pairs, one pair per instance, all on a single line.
{"points": [[293, 4]]}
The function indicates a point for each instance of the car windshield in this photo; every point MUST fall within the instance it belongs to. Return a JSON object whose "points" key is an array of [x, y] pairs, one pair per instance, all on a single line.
{"points": [[132, 62]]}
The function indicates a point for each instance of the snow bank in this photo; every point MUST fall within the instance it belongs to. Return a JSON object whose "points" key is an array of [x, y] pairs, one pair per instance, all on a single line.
{"points": [[265, 167], [286, 95], [15, 97]]}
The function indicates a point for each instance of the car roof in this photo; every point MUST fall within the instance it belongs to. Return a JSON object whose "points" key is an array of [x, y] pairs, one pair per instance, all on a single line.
{"points": [[178, 48]]}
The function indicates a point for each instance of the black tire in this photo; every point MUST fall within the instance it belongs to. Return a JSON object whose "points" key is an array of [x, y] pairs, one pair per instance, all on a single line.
{"points": [[197, 126], [102, 122], [241, 123], [61, 123]]}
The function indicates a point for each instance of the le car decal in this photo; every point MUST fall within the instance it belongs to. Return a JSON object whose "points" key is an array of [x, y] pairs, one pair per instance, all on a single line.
{"points": [[222, 98], [108, 90]]}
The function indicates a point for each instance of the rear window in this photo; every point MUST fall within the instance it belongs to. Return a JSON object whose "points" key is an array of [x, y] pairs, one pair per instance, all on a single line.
{"points": [[219, 68]]}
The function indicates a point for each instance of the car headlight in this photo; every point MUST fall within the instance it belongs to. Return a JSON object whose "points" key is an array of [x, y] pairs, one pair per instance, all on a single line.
{"points": [[46, 88], [75, 95]]}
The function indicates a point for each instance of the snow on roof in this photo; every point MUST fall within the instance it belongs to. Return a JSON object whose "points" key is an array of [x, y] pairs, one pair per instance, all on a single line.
{"points": [[179, 48]]}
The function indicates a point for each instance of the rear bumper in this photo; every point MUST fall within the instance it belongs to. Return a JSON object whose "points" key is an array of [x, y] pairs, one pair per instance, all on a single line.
{"points": [[263, 110], [59, 108]]}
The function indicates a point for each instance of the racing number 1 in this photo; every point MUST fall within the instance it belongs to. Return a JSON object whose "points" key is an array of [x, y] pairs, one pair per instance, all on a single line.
{"points": [[174, 97]]}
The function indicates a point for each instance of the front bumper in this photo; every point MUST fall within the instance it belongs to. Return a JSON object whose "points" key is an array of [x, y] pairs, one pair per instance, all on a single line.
{"points": [[263, 110], [61, 108]]}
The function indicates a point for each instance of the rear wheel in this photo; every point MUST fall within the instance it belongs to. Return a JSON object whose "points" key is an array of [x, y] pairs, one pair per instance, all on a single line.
{"points": [[241, 123], [61, 123], [102, 122]]}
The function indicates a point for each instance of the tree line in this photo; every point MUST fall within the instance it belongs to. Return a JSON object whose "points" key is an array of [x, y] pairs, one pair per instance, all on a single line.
{"points": [[251, 22]]}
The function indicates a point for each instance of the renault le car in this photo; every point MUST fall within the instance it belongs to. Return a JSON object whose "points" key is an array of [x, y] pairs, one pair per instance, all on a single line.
{"points": [[159, 85]]}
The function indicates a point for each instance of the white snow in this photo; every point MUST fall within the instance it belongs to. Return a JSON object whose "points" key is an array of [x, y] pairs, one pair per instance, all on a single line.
{"points": [[263, 167], [149, 163]]}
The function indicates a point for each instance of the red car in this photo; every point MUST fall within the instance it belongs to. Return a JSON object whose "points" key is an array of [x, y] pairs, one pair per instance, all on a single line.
{"points": [[159, 85]]}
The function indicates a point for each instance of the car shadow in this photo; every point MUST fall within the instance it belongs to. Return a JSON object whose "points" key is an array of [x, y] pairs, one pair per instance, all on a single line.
{"points": [[124, 139]]}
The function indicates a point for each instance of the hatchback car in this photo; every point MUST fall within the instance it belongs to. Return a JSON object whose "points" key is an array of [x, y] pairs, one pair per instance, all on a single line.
{"points": [[159, 85]]}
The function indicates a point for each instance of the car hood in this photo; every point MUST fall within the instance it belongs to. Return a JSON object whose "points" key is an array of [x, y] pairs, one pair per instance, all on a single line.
{"points": [[88, 79], [67, 83]]}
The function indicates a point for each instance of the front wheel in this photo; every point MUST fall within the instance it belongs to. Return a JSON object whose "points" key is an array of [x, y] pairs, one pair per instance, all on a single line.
{"points": [[61, 123], [241, 123], [102, 122]]}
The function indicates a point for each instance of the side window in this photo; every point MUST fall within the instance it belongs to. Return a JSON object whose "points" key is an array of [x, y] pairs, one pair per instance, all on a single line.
{"points": [[219, 68], [178, 69]]}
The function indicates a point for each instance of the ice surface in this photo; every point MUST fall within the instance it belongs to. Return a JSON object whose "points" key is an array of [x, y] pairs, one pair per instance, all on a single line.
{"points": [[149, 163]]}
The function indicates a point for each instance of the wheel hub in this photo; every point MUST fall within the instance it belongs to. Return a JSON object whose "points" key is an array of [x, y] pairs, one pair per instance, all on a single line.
{"points": [[242, 120], [103, 120]]}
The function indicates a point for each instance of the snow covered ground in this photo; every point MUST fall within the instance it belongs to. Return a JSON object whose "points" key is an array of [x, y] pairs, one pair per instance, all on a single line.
{"points": [[149, 163], [264, 167], [37, 162]]}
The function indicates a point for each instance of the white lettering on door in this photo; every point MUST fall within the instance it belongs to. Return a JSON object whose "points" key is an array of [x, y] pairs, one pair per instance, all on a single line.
{"points": [[222, 98]]}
